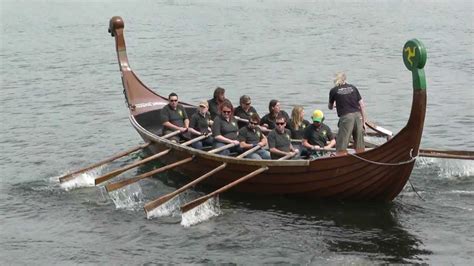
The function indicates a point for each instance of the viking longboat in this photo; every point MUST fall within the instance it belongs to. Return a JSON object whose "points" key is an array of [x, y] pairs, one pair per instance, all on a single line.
{"points": [[378, 174]]}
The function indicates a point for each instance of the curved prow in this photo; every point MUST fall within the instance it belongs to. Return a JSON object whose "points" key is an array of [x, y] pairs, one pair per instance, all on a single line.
{"points": [[140, 99], [414, 58], [116, 26]]}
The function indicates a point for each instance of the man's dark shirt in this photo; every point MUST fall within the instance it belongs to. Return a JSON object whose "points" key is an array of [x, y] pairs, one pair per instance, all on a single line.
{"points": [[250, 136], [270, 121], [347, 99], [318, 135], [278, 140], [175, 117], [224, 128], [240, 112], [200, 122]]}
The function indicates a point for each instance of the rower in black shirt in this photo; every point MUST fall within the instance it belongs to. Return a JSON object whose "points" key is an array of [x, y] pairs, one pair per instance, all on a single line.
{"points": [[200, 125], [245, 110], [268, 121], [173, 117]]}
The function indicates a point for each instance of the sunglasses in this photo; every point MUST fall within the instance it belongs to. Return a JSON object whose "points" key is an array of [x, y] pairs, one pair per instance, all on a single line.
{"points": [[280, 123], [173, 101], [253, 123], [226, 112]]}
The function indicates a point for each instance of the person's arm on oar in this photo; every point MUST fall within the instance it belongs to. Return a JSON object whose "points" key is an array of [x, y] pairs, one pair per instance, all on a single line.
{"points": [[216, 131], [194, 131], [173, 127], [276, 151]]}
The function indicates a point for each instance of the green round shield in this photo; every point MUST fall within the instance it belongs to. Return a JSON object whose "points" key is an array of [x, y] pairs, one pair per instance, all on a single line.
{"points": [[414, 54]]}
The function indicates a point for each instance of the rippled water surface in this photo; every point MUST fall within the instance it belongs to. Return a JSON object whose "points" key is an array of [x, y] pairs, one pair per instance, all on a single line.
{"points": [[63, 108]]}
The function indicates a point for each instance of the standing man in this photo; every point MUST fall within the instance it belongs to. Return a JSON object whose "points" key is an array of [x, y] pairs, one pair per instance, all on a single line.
{"points": [[279, 140], [174, 117], [351, 112], [318, 135], [251, 136]]}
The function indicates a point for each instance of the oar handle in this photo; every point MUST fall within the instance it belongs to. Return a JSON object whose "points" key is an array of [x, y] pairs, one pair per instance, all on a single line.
{"points": [[249, 151], [238, 118], [225, 147], [288, 156], [172, 134], [69, 176], [196, 139]]}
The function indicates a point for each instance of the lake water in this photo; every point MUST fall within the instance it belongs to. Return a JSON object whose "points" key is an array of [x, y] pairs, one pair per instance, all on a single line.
{"points": [[63, 108]]}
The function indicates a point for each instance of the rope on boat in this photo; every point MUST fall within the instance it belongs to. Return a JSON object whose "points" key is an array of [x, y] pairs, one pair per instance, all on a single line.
{"points": [[416, 192], [394, 164], [412, 159]]}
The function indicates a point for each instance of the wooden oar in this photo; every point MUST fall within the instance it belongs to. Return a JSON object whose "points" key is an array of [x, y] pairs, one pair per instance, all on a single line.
{"points": [[114, 173], [199, 201], [114, 186], [172, 134], [122, 183], [379, 129], [444, 154], [163, 199], [464, 155], [70, 176], [203, 199], [225, 147]]}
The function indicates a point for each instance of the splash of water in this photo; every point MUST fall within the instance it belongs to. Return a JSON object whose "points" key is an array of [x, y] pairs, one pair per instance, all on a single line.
{"points": [[448, 168], [201, 213], [86, 179], [129, 197], [169, 208]]}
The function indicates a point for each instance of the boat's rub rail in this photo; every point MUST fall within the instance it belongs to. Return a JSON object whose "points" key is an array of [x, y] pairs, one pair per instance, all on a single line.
{"points": [[216, 157]]}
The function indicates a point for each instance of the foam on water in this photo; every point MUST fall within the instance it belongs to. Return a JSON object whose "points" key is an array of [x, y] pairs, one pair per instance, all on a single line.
{"points": [[129, 197], [171, 207], [448, 168], [201, 213], [86, 179]]}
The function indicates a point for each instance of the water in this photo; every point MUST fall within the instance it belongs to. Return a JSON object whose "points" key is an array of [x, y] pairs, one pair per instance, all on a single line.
{"points": [[62, 108]]}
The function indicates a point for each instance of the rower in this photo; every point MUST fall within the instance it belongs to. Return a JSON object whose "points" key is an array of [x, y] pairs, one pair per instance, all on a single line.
{"points": [[318, 136], [225, 129], [279, 140], [174, 117], [200, 125], [251, 136]]}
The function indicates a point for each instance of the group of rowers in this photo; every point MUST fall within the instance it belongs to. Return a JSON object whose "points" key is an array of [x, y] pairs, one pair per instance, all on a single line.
{"points": [[244, 128]]}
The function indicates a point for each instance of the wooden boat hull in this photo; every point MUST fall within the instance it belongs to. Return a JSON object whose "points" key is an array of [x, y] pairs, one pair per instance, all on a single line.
{"points": [[378, 174]]}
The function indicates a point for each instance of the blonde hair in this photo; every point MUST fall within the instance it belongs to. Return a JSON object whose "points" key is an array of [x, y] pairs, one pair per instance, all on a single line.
{"points": [[340, 79], [296, 118]]}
